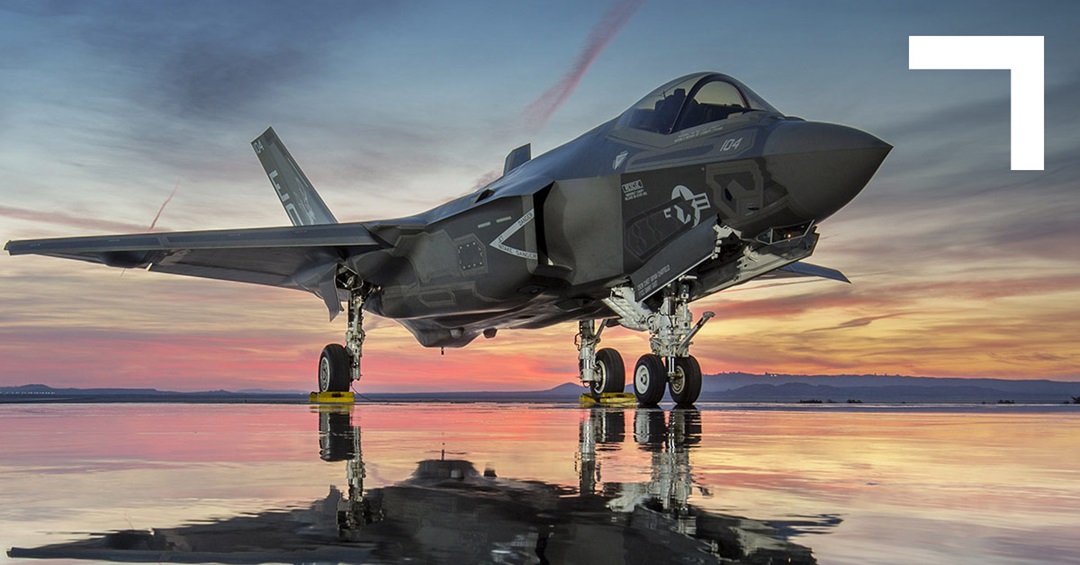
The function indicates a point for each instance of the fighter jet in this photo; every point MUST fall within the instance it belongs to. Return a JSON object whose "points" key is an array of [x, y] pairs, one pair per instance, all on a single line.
{"points": [[700, 186]]}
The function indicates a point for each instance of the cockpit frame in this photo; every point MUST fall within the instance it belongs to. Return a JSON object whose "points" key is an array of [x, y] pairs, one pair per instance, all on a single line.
{"points": [[674, 108]]}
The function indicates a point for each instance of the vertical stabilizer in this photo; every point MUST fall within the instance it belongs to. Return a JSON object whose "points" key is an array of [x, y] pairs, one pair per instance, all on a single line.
{"points": [[517, 158], [301, 202]]}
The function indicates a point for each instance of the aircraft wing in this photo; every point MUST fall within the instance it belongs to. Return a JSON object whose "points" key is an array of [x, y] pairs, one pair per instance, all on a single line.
{"points": [[304, 257]]}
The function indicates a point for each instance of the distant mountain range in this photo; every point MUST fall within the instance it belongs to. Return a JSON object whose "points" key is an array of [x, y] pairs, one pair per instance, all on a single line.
{"points": [[743, 387], [39, 393], [725, 387]]}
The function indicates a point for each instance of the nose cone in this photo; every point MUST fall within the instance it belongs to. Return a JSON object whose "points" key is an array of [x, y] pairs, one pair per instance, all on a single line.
{"points": [[822, 166]]}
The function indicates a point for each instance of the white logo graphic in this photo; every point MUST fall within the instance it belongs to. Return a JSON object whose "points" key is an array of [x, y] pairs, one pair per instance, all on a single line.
{"points": [[731, 144], [698, 202], [510, 231], [619, 160], [633, 189]]}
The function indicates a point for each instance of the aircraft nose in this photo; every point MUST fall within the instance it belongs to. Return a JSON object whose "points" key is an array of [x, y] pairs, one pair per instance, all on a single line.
{"points": [[823, 166]]}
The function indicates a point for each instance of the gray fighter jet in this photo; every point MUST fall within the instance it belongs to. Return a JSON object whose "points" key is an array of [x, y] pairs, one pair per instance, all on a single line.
{"points": [[700, 186]]}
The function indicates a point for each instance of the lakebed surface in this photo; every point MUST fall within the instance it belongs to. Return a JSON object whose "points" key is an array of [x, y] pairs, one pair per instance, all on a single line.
{"points": [[535, 483]]}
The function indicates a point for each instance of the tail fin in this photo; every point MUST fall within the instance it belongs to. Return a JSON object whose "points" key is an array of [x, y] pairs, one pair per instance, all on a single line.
{"points": [[301, 202]]}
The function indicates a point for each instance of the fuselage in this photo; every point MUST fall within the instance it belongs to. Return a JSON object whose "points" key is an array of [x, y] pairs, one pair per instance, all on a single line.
{"points": [[547, 241]]}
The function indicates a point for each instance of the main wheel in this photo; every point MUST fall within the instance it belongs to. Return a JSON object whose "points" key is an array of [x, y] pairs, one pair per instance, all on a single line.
{"points": [[612, 373], [649, 378], [685, 386], [334, 366]]}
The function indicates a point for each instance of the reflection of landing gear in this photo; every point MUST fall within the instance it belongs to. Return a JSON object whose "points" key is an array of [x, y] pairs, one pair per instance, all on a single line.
{"points": [[670, 329], [649, 428], [668, 438], [339, 440], [340, 365], [600, 430]]}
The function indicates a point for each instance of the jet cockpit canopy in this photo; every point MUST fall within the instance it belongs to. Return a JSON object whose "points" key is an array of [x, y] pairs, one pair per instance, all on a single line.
{"points": [[691, 101]]}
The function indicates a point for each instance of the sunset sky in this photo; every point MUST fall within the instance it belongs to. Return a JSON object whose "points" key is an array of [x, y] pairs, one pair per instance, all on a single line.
{"points": [[960, 266]]}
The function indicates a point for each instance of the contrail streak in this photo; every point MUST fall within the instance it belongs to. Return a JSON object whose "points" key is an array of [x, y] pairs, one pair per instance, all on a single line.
{"points": [[61, 219], [539, 112], [163, 205]]}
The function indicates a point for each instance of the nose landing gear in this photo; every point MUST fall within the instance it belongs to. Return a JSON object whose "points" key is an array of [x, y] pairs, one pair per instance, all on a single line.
{"points": [[670, 364], [683, 380]]}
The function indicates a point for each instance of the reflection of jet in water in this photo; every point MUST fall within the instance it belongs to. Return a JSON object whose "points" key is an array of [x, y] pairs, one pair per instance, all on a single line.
{"points": [[448, 512]]}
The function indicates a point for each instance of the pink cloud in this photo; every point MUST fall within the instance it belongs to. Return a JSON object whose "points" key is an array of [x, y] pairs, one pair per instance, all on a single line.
{"points": [[59, 218]]}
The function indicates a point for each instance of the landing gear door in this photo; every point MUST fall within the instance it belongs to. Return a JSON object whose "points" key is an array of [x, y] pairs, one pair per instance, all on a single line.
{"points": [[674, 259]]}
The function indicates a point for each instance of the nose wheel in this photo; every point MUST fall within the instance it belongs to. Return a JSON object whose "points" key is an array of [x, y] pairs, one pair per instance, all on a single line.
{"points": [[683, 383], [649, 378]]}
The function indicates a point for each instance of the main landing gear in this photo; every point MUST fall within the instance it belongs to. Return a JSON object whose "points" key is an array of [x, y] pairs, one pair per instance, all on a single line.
{"points": [[339, 365], [601, 370], [668, 365]]}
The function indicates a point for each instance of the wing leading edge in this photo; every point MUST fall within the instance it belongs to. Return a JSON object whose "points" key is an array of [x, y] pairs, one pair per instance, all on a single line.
{"points": [[304, 258]]}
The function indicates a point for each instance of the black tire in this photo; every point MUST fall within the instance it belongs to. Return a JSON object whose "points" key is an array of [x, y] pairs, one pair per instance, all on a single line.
{"points": [[337, 436], [649, 378], [612, 372], [685, 427], [334, 367], [607, 426], [650, 429], [685, 387]]}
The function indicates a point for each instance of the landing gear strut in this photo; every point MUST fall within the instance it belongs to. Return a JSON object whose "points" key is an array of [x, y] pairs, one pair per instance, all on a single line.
{"points": [[671, 330], [340, 365]]}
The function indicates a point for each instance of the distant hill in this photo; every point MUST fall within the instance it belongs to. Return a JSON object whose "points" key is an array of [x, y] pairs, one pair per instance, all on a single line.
{"points": [[744, 387], [37, 393], [724, 387]]}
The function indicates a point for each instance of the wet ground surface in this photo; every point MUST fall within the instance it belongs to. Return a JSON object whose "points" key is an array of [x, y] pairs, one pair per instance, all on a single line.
{"points": [[458, 483]]}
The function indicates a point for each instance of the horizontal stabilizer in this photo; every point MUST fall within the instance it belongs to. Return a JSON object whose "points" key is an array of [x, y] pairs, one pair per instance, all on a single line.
{"points": [[301, 202], [801, 269], [517, 158]]}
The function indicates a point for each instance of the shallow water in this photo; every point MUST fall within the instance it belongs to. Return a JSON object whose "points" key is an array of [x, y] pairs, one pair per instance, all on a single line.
{"points": [[536, 483]]}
